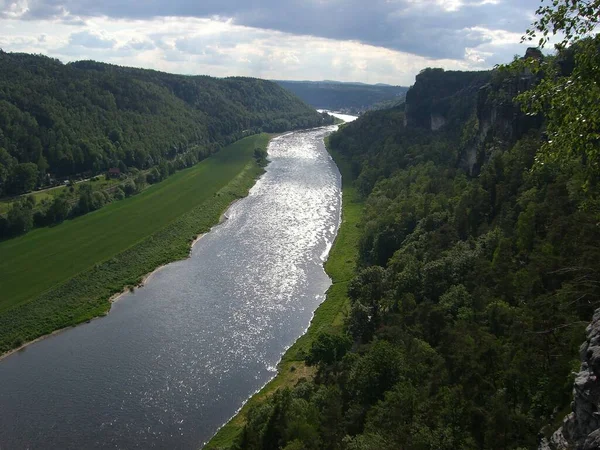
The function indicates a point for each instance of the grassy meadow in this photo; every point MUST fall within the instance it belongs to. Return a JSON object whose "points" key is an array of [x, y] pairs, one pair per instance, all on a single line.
{"points": [[59, 276], [329, 316]]}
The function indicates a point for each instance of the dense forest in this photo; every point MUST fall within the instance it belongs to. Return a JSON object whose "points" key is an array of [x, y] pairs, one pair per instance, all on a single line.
{"points": [[65, 120], [352, 97], [60, 122], [478, 268]]}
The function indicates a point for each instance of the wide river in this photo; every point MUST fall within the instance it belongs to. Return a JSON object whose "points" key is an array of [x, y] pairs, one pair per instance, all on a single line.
{"points": [[175, 359]]}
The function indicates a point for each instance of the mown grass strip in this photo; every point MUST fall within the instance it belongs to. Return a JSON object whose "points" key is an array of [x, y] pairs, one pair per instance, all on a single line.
{"points": [[329, 316], [153, 228]]}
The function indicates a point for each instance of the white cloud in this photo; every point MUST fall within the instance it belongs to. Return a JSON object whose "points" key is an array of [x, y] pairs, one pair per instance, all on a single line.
{"points": [[91, 39], [431, 28], [219, 47], [14, 9]]}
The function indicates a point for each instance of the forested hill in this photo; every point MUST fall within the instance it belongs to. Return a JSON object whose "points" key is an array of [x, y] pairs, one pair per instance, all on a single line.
{"points": [[477, 275], [85, 117], [354, 97]]}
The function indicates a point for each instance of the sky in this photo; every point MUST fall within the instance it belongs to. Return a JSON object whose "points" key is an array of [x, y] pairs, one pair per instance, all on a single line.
{"points": [[371, 41]]}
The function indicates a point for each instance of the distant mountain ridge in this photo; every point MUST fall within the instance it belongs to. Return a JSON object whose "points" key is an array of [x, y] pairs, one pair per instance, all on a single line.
{"points": [[346, 96]]}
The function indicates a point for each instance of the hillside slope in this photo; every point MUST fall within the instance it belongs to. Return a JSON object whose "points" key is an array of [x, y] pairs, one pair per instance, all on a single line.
{"points": [[60, 120], [355, 97]]}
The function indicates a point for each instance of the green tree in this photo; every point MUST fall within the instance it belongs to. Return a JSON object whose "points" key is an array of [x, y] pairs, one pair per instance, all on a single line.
{"points": [[153, 176], [328, 348], [526, 228], [457, 303], [7, 163], [260, 155], [20, 218], [58, 211], [569, 93], [84, 205], [24, 177], [129, 188], [119, 194], [140, 182]]}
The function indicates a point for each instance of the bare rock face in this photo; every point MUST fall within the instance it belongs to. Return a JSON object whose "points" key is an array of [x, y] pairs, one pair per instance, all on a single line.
{"points": [[440, 96], [500, 119], [533, 52], [581, 428], [437, 121]]}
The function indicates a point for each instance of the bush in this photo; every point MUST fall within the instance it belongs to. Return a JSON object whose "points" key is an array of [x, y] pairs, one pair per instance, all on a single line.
{"points": [[129, 188], [119, 194]]}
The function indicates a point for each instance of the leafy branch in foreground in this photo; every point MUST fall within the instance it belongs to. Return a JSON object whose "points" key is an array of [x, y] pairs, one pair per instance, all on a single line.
{"points": [[573, 19], [569, 91]]}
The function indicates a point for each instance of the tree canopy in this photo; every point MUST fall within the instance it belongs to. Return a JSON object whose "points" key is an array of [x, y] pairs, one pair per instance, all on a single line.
{"points": [[568, 95], [472, 292], [85, 117]]}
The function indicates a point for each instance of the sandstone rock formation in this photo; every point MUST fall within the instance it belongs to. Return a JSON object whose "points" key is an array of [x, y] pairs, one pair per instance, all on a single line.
{"points": [[581, 428]]}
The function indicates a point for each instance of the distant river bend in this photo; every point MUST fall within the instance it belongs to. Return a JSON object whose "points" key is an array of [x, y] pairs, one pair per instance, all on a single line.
{"points": [[175, 359]]}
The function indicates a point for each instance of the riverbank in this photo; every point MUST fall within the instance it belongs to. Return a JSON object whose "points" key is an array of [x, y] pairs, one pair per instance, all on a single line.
{"points": [[146, 277], [87, 294], [340, 267]]}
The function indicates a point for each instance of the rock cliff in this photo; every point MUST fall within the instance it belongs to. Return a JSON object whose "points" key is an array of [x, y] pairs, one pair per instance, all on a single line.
{"points": [[500, 119], [446, 100], [439, 98], [581, 428]]}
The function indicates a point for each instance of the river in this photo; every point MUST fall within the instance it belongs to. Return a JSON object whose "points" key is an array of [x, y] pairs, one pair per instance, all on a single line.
{"points": [[175, 359]]}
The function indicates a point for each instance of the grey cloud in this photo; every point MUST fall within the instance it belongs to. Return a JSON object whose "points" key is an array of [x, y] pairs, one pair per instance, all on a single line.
{"points": [[90, 40], [199, 44], [398, 25], [39, 9], [72, 20], [141, 45], [506, 54]]}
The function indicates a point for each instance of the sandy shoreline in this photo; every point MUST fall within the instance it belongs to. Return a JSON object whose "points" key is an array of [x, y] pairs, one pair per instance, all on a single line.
{"points": [[116, 297], [27, 344]]}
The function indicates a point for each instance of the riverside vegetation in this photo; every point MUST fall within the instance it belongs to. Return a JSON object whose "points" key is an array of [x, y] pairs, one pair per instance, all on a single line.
{"points": [[80, 264], [328, 318], [477, 263]]}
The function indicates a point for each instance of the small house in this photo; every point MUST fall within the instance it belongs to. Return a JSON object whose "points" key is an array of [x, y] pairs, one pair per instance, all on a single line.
{"points": [[114, 172]]}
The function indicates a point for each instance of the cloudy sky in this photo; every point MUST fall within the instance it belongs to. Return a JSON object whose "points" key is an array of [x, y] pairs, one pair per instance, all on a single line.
{"points": [[373, 41]]}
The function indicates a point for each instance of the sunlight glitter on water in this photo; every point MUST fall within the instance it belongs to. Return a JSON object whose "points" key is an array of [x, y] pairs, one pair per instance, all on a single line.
{"points": [[174, 360]]}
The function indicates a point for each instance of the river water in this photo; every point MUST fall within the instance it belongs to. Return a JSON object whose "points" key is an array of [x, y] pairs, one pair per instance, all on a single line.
{"points": [[175, 359]]}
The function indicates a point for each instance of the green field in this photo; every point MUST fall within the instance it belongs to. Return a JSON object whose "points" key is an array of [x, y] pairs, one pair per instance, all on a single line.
{"points": [[329, 316], [59, 276]]}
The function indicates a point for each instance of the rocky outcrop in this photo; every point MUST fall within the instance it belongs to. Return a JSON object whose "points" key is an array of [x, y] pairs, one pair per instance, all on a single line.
{"points": [[446, 100], [500, 119], [533, 53], [581, 428], [437, 122], [440, 97]]}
